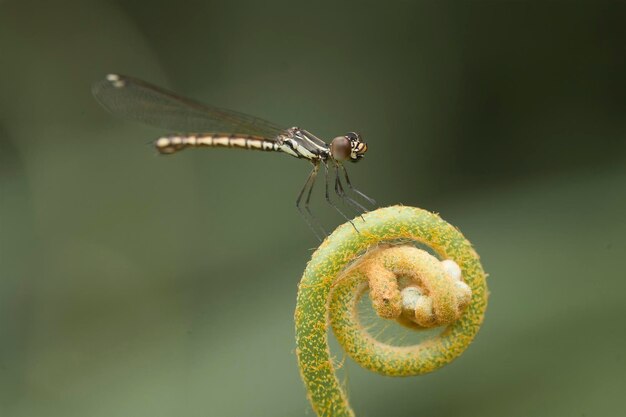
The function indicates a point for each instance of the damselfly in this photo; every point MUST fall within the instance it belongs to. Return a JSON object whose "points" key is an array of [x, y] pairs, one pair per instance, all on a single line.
{"points": [[200, 125]]}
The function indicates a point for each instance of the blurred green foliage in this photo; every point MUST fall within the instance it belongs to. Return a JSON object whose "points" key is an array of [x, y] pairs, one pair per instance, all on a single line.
{"points": [[138, 285]]}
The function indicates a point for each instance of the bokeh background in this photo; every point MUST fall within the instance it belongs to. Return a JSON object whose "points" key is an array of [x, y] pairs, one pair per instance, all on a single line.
{"points": [[139, 285]]}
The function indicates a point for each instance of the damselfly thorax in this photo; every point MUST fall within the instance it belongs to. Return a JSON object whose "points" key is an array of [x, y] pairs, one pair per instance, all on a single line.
{"points": [[138, 100]]}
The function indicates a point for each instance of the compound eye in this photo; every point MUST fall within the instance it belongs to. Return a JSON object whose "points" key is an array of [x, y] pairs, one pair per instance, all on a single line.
{"points": [[340, 148]]}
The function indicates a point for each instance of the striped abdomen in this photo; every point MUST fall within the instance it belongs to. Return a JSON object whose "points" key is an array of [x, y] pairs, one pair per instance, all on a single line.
{"points": [[171, 144]]}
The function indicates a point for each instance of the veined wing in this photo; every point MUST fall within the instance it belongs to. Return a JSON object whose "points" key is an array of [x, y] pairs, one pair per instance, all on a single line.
{"points": [[138, 100]]}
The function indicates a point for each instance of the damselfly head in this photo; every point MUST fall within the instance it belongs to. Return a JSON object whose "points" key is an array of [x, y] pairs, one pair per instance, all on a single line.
{"points": [[357, 146], [348, 147]]}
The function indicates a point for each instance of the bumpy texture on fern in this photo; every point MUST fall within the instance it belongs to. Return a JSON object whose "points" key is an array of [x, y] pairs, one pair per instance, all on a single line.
{"points": [[378, 258]]}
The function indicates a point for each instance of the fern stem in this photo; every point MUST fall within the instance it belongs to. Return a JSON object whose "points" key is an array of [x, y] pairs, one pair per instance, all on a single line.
{"points": [[333, 282]]}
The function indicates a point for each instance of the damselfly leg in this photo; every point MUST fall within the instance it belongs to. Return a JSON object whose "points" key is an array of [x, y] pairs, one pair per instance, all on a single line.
{"points": [[345, 197], [328, 199], [354, 190], [305, 212]]}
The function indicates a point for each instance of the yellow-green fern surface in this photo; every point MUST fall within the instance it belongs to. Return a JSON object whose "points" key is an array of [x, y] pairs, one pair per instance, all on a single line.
{"points": [[405, 283]]}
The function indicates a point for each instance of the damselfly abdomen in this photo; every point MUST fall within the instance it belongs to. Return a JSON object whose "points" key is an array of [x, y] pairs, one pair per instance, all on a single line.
{"points": [[138, 100]]}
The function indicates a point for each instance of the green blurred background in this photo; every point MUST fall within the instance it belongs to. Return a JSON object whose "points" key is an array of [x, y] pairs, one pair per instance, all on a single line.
{"points": [[138, 285]]}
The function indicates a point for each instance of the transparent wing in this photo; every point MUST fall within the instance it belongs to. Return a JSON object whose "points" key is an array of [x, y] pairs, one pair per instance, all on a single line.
{"points": [[143, 102]]}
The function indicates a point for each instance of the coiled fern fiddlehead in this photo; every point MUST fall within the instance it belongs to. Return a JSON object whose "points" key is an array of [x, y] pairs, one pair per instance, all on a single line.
{"points": [[450, 291]]}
